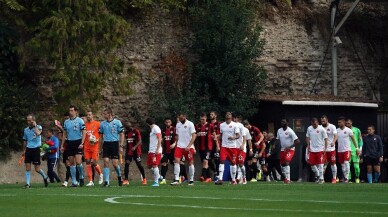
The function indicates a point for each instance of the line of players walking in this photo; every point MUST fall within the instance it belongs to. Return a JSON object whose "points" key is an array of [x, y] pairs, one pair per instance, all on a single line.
{"points": [[234, 140]]}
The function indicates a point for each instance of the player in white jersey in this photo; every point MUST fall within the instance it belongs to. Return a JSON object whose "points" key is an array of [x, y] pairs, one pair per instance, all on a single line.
{"points": [[316, 140], [344, 136], [155, 150], [185, 137], [230, 134], [288, 140], [242, 152], [330, 154]]}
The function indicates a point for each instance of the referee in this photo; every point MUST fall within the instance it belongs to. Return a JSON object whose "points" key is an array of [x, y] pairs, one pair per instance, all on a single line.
{"points": [[372, 153]]}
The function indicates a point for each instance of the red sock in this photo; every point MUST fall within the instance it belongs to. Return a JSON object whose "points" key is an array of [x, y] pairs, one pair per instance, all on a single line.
{"points": [[89, 172], [98, 169]]}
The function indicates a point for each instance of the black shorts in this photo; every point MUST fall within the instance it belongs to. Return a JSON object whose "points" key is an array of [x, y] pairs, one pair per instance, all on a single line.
{"points": [[168, 157], [64, 157], [131, 157], [110, 150], [215, 154], [261, 160], [32, 155], [372, 161], [205, 155], [72, 148]]}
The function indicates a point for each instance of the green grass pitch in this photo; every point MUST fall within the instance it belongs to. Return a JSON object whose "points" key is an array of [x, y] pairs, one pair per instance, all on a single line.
{"points": [[202, 199]]}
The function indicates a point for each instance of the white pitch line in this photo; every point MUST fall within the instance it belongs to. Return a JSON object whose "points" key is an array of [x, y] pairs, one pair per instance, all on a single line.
{"points": [[220, 198], [7, 195], [113, 200]]}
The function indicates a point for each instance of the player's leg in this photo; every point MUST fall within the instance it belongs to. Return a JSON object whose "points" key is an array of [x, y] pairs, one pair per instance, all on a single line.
{"points": [[313, 163], [264, 168], [140, 168], [254, 170], [66, 162], [164, 168], [287, 157], [27, 162], [71, 150], [153, 162], [96, 166], [177, 159], [80, 167], [356, 165], [128, 160], [190, 159], [223, 155], [36, 162], [232, 157], [369, 168], [216, 160], [376, 168], [115, 161], [333, 164], [89, 172]]}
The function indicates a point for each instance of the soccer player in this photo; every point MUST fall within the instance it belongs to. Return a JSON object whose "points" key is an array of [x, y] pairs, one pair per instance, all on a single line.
{"points": [[133, 151], [155, 150], [168, 147], [344, 136], [316, 140], [204, 143], [31, 149], [372, 154], [288, 140], [65, 158], [112, 142], [256, 152], [241, 171], [53, 155], [74, 131], [230, 133], [215, 156], [330, 153], [354, 158], [91, 148], [273, 156], [185, 138]]}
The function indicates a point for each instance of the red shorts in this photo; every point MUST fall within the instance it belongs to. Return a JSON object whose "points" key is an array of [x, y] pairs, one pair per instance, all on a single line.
{"points": [[330, 157], [153, 159], [91, 154], [241, 157], [230, 153], [137, 151], [180, 152], [286, 156], [316, 158], [343, 156]]}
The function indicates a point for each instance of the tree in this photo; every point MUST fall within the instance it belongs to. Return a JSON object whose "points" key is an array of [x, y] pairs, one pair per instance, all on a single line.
{"points": [[78, 39], [227, 42]]}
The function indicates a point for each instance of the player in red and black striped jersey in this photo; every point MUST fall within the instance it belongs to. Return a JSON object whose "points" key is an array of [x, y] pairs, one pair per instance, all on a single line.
{"points": [[133, 151], [168, 145], [258, 152], [215, 155], [204, 143]]}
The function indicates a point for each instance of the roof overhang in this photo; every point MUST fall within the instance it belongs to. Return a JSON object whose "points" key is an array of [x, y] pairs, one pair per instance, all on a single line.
{"points": [[330, 103]]}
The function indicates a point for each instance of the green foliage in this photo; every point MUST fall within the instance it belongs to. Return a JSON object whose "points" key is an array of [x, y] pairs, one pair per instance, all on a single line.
{"points": [[227, 42], [78, 39], [15, 94]]}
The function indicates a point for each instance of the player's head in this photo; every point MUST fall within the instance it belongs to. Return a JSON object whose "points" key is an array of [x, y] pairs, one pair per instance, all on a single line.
{"points": [[324, 120], [237, 118], [341, 121], [203, 118], [314, 122], [270, 136], [30, 119], [89, 116], [182, 117], [108, 114], [50, 132], [150, 121], [73, 110], [228, 116], [371, 129], [265, 134], [128, 126], [167, 122], [349, 123], [246, 124], [213, 115], [284, 122]]}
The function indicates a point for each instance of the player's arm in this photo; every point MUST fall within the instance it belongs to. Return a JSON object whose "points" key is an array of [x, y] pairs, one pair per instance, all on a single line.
{"points": [[308, 143], [381, 149], [64, 133], [159, 136], [243, 143], [37, 129], [326, 143], [191, 143], [360, 140], [296, 142], [260, 139], [355, 144], [24, 147], [250, 147], [334, 140], [101, 142]]}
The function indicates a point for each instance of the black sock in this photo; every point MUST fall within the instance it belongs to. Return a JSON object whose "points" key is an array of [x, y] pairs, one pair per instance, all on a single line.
{"points": [[141, 169], [207, 173], [67, 173], [93, 171], [164, 171], [183, 171], [254, 171], [217, 166], [203, 174], [126, 171], [77, 174]]}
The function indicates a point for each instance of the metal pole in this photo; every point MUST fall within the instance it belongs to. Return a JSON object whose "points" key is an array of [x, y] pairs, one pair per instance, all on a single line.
{"points": [[334, 55], [351, 9]]}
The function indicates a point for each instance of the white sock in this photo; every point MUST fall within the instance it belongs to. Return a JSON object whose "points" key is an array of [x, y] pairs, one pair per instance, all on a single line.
{"points": [[191, 172], [347, 169], [324, 167], [284, 171], [243, 173], [221, 171], [334, 171], [287, 170], [239, 174], [320, 170], [315, 170], [177, 170], [233, 170], [156, 174]]}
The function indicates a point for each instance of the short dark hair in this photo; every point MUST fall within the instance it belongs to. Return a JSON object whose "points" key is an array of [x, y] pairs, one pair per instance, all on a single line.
{"points": [[74, 107], [324, 116], [213, 112], [108, 110], [372, 126], [349, 119], [203, 114], [32, 116], [150, 121], [314, 119], [246, 122], [340, 118], [181, 113], [82, 115], [167, 119], [52, 130], [286, 120]]}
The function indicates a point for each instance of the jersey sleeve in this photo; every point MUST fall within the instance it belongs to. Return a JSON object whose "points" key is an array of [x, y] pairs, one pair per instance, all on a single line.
{"points": [[249, 137], [334, 129], [101, 130], [137, 135], [24, 135], [192, 128], [65, 125], [324, 133], [294, 136], [120, 127], [82, 124], [278, 135], [351, 133], [308, 132], [244, 133]]}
